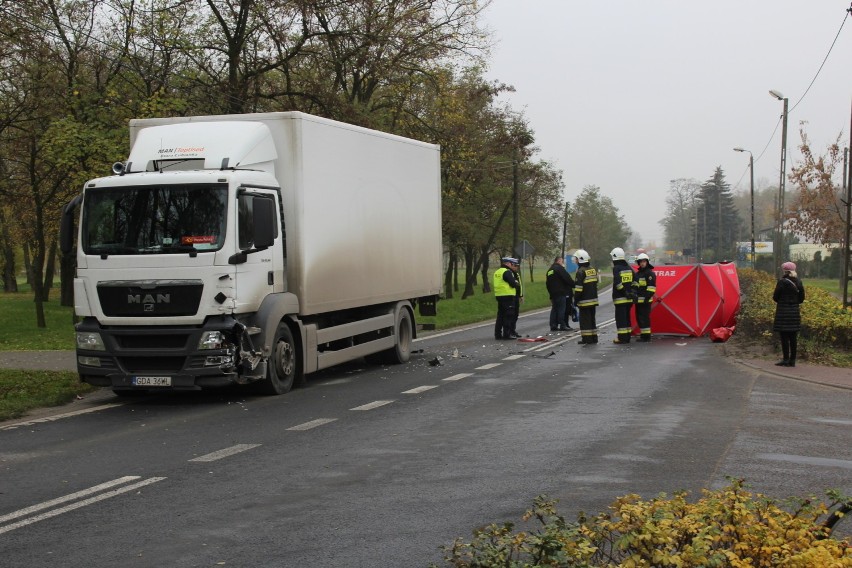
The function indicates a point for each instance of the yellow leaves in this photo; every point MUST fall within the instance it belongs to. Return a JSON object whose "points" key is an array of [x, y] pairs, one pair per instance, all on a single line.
{"points": [[730, 527]]}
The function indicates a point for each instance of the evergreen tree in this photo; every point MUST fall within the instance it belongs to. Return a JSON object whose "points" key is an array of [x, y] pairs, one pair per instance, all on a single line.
{"points": [[719, 224]]}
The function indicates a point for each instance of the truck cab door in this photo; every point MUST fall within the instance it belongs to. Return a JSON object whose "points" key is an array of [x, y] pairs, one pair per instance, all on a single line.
{"points": [[258, 238]]}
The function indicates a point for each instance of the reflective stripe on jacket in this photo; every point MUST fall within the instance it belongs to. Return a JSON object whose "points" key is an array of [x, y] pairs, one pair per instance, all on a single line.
{"points": [[586, 287], [646, 284], [622, 283]]}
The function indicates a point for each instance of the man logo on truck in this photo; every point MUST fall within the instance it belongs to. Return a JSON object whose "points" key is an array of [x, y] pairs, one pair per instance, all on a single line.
{"points": [[149, 299]]}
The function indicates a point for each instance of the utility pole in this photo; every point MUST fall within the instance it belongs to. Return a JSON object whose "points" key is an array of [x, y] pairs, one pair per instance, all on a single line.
{"points": [[516, 214], [846, 248], [779, 221], [564, 229]]}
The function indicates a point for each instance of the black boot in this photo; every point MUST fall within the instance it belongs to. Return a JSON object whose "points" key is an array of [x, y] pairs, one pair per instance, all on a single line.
{"points": [[791, 362], [783, 363]]}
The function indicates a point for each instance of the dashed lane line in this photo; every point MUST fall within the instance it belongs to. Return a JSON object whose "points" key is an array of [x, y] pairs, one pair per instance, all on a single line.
{"points": [[488, 366], [224, 453], [418, 390], [458, 377], [513, 357], [311, 424], [372, 405]]}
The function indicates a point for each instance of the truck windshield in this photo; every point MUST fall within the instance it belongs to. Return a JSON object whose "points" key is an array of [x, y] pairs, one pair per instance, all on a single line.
{"points": [[154, 219]]}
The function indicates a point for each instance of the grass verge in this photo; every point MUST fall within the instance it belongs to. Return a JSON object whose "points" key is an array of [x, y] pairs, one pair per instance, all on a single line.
{"points": [[22, 391]]}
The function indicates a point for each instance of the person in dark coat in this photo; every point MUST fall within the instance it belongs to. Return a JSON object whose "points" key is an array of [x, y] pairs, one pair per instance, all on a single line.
{"points": [[789, 293], [559, 284]]}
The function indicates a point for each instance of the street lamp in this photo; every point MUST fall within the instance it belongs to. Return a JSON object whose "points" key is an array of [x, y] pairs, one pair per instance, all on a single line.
{"points": [[751, 169], [778, 241]]}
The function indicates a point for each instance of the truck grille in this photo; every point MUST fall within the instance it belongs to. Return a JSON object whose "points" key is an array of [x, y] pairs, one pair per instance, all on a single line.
{"points": [[156, 298]]}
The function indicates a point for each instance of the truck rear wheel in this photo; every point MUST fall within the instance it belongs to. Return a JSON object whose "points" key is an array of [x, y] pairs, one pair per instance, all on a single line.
{"points": [[283, 367], [401, 353]]}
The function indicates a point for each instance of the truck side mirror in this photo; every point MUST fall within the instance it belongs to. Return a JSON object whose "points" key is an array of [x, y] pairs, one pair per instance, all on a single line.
{"points": [[265, 228], [66, 226]]}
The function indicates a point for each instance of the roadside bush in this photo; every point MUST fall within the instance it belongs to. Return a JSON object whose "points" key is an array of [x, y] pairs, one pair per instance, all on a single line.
{"points": [[826, 324], [730, 527]]}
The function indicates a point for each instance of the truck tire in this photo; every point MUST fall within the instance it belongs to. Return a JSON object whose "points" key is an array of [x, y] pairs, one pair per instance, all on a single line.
{"points": [[401, 353], [283, 366]]}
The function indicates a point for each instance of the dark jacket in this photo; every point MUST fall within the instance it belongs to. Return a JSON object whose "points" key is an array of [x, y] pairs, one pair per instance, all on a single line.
{"points": [[645, 283], [558, 281], [789, 293], [586, 287], [622, 283]]}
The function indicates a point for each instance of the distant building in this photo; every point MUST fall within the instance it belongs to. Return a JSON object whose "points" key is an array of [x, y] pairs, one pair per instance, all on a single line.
{"points": [[808, 251]]}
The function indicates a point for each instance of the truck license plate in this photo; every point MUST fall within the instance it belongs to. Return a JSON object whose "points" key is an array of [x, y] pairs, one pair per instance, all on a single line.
{"points": [[152, 381]]}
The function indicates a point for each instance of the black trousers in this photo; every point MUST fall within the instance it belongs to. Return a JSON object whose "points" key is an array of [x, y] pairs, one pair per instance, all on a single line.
{"points": [[789, 344], [506, 317], [588, 325], [643, 319], [622, 321]]}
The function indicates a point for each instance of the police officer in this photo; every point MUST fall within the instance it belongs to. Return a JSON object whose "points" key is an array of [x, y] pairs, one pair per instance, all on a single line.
{"points": [[622, 294], [586, 297], [507, 290], [646, 287], [559, 284]]}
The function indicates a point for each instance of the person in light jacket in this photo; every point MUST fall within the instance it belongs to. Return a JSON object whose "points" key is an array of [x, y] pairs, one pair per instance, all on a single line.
{"points": [[788, 295]]}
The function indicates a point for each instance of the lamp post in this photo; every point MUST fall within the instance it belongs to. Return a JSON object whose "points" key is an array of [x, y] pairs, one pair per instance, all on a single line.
{"points": [[751, 169], [778, 241]]}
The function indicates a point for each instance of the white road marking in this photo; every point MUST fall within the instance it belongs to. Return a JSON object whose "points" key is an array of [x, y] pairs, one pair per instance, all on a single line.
{"points": [[71, 497], [312, 424], [513, 357], [488, 366], [418, 390], [79, 504], [372, 405], [458, 377], [224, 453], [61, 416]]}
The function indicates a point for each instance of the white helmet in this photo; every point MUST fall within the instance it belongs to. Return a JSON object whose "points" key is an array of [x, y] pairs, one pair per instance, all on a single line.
{"points": [[642, 256], [617, 253], [582, 256]]}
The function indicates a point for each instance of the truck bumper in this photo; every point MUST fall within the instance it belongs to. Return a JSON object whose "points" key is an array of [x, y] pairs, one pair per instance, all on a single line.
{"points": [[157, 357]]}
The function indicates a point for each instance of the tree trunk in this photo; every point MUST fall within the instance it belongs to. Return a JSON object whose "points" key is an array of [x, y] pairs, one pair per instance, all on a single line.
{"points": [[28, 266], [456, 272], [486, 282], [448, 275], [10, 282], [38, 292], [468, 288], [49, 271]]}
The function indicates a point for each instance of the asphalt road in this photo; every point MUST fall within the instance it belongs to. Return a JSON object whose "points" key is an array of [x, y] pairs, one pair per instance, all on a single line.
{"points": [[380, 466]]}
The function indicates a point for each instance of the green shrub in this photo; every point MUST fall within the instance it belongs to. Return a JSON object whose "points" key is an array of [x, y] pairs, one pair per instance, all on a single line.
{"points": [[730, 527], [826, 324]]}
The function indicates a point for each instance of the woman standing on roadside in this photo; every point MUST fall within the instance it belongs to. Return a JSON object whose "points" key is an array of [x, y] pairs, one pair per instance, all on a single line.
{"points": [[789, 293]]}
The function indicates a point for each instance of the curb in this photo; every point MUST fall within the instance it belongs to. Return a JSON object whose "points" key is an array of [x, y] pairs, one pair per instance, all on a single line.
{"points": [[792, 377]]}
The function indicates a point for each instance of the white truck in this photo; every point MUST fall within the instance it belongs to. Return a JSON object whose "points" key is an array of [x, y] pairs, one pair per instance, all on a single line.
{"points": [[253, 248]]}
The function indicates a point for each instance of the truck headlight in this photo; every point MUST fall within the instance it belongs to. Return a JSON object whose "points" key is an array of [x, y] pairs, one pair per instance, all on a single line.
{"points": [[90, 341], [211, 340]]}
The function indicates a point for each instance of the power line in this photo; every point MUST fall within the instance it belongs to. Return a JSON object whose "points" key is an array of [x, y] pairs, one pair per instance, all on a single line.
{"points": [[846, 17]]}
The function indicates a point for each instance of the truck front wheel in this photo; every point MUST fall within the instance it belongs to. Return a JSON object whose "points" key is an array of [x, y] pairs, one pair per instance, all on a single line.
{"points": [[283, 367]]}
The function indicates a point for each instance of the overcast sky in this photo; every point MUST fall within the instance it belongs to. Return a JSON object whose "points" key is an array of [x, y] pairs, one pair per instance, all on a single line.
{"points": [[628, 95]]}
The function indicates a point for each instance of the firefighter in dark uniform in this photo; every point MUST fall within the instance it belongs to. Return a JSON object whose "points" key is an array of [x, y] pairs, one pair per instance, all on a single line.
{"points": [[646, 287], [586, 297], [623, 295], [506, 289]]}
